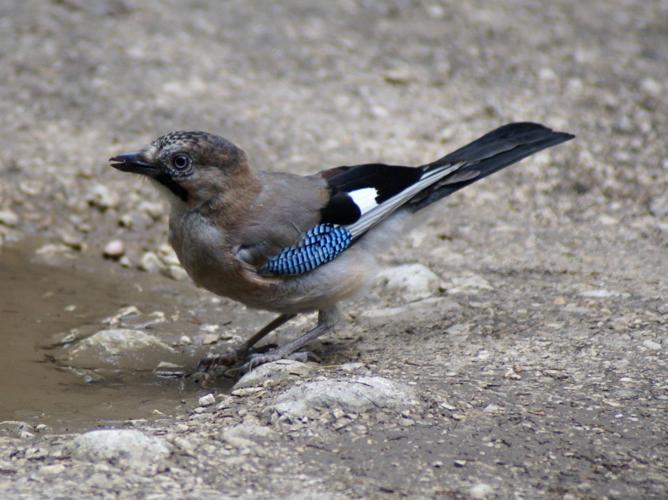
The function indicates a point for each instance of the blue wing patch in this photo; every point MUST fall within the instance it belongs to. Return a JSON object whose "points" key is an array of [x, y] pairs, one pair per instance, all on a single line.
{"points": [[320, 245]]}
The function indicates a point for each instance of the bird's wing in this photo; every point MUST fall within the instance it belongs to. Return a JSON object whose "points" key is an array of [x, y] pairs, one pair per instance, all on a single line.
{"points": [[287, 207], [304, 231], [300, 232]]}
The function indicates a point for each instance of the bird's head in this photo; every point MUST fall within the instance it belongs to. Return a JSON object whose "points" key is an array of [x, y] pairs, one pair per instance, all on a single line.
{"points": [[192, 167]]}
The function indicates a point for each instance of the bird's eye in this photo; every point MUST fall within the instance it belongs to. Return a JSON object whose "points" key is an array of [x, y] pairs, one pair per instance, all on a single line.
{"points": [[181, 161]]}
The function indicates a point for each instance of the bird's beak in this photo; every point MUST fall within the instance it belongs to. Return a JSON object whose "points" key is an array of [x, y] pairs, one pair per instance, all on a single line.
{"points": [[134, 162]]}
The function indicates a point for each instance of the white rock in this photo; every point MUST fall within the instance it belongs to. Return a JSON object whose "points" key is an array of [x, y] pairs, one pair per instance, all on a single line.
{"points": [[246, 434], [208, 338], [273, 373], [8, 218], [207, 400], [168, 255], [379, 111], [209, 327], [52, 252], [101, 196], [492, 408], [481, 491], [126, 220], [72, 240], [16, 428], [353, 395], [153, 209], [658, 206], [471, 283], [436, 11], [177, 273], [547, 74], [650, 344], [598, 294], [412, 281], [120, 348], [114, 249], [122, 447], [52, 470], [651, 87], [351, 367], [150, 263]]}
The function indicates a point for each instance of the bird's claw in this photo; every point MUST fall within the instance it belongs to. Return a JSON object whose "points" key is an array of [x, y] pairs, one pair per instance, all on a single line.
{"points": [[211, 363], [213, 366]]}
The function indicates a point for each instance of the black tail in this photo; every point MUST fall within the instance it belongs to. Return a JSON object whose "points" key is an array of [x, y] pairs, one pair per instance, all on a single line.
{"points": [[492, 152]]}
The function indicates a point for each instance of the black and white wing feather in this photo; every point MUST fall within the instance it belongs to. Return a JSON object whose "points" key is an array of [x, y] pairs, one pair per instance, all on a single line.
{"points": [[363, 196]]}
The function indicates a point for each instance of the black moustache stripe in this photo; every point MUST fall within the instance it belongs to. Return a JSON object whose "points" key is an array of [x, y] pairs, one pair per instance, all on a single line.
{"points": [[169, 183]]}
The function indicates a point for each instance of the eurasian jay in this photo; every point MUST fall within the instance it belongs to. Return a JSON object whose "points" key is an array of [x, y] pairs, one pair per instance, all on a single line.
{"points": [[294, 244]]}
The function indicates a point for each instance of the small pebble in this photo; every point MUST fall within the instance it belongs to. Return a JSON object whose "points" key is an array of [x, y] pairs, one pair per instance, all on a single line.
{"points": [[650, 344], [168, 255], [115, 249], [53, 469], [209, 338], [651, 87], [102, 197], [492, 408], [481, 491], [72, 240], [125, 220], [177, 273], [153, 209], [207, 400], [8, 218], [150, 263], [659, 206]]}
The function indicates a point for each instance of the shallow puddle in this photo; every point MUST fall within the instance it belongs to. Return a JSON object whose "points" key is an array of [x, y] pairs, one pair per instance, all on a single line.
{"points": [[38, 301]]}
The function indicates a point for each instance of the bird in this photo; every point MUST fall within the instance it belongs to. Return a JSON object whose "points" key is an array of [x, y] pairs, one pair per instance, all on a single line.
{"points": [[294, 244]]}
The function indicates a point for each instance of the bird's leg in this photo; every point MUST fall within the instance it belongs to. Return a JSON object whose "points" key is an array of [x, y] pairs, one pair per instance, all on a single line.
{"points": [[234, 356], [327, 319], [263, 332]]}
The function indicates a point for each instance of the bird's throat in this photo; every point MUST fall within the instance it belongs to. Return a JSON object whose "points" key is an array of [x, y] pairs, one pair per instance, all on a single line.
{"points": [[172, 186]]}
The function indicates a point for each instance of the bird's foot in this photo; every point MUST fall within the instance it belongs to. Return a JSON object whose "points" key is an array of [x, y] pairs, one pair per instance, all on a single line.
{"points": [[227, 364], [212, 364], [256, 359], [218, 365]]}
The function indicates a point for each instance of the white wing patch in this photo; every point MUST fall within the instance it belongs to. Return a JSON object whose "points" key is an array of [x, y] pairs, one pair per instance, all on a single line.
{"points": [[364, 198], [382, 211]]}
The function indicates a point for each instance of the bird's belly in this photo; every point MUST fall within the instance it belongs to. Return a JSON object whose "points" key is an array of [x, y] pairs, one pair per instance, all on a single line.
{"points": [[322, 288], [209, 261]]}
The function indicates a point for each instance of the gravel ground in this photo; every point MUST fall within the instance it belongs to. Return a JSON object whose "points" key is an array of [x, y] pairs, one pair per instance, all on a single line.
{"points": [[535, 367]]}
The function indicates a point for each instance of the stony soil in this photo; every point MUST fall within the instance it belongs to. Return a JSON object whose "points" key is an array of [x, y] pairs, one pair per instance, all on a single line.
{"points": [[537, 364]]}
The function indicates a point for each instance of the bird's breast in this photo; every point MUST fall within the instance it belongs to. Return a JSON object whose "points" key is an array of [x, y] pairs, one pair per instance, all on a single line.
{"points": [[202, 248]]}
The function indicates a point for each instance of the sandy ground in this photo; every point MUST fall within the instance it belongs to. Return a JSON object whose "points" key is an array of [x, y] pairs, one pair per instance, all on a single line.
{"points": [[539, 368]]}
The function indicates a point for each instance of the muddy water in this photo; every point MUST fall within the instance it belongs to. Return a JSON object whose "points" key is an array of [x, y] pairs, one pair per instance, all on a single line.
{"points": [[38, 301]]}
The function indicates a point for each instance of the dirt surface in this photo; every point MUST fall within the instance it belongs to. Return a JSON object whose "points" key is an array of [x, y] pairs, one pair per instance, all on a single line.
{"points": [[540, 364]]}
